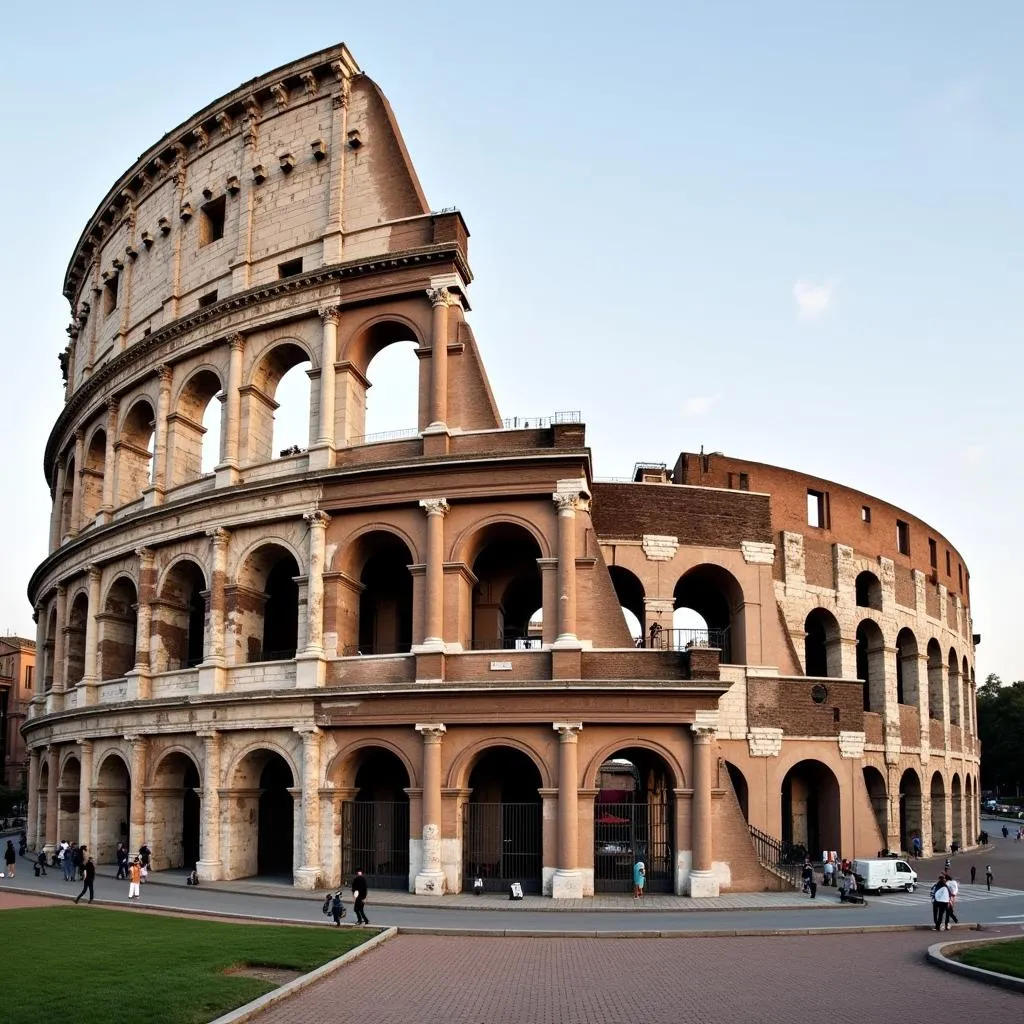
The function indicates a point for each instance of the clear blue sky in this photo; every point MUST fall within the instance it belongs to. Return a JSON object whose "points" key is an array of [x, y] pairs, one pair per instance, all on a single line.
{"points": [[787, 231]]}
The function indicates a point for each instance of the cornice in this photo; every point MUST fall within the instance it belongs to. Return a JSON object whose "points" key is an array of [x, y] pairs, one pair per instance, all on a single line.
{"points": [[86, 393]]}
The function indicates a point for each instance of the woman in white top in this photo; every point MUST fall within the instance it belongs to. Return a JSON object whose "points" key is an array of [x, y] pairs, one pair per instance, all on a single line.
{"points": [[940, 904]]}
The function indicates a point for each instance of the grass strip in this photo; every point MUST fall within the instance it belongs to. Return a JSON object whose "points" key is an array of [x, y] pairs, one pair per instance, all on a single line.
{"points": [[93, 964], [1004, 957]]}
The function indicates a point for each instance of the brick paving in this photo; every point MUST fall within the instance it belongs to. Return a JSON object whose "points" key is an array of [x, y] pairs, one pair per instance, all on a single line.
{"points": [[841, 979], [20, 900]]}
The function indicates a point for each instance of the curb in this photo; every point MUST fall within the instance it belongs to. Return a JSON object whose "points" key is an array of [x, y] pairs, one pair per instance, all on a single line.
{"points": [[662, 933], [936, 955], [258, 1006]]}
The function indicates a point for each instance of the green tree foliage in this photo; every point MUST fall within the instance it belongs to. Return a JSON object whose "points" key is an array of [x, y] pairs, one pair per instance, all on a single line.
{"points": [[1001, 731]]}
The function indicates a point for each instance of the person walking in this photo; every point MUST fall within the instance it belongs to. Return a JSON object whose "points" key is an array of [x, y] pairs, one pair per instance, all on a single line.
{"points": [[10, 858], [829, 871], [974, 872], [988, 876], [954, 891], [88, 876], [639, 878], [940, 904], [337, 910], [134, 879], [77, 862], [122, 861], [67, 860], [359, 891]]}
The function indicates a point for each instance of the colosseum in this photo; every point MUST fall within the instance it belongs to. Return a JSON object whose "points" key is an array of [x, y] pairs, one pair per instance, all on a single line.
{"points": [[449, 653]]}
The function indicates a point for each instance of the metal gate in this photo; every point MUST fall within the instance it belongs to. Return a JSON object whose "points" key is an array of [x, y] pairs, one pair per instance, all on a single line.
{"points": [[626, 833], [502, 843], [375, 840]]}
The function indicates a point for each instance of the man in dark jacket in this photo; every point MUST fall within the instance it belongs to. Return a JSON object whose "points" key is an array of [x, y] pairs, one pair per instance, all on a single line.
{"points": [[122, 861], [90, 876], [359, 892]]}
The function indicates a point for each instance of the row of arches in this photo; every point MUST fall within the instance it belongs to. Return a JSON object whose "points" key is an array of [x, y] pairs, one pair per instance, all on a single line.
{"points": [[277, 418], [945, 680]]}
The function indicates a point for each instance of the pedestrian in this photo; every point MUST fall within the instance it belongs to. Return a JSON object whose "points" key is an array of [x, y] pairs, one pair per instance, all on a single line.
{"points": [[954, 891], [10, 858], [77, 862], [122, 861], [145, 855], [988, 876], [808, 878], [359, 891], [940, 904], [974, 872], [337, 910], [89, 877], [946, 867], [639, 878], [41, 863], [134, 879], [829, 870], [65, 856]]}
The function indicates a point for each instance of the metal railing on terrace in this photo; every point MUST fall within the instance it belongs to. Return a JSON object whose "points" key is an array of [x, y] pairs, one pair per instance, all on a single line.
{"points": [[404, 434], [508, 643], [541, 422], [357, 650], [685, 639]]}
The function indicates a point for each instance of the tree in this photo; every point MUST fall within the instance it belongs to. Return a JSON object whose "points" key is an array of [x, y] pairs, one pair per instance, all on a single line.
{"points": [[1001, 731]]}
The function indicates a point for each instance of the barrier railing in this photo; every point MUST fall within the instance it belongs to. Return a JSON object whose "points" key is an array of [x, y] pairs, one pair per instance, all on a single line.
{"points": [[783, 859]]}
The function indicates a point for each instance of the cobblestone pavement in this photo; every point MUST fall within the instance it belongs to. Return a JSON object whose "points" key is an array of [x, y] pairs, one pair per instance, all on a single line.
{"points": [[19, 900], [841, 979]]}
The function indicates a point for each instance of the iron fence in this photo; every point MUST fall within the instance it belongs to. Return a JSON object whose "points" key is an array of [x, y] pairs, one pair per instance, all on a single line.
{"points": [[354, 650], [502, 844], [660, 639], [627, 832], [509, 643], [403, 434], [541, 422], [784, 859], [375, 840]]}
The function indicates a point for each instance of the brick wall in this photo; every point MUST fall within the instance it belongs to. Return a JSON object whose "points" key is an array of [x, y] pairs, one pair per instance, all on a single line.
{"points": [[786, 703]]}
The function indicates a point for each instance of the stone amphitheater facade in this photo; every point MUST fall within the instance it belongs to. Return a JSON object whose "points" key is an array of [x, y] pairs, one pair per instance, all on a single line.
{"points": [[409, 654]]}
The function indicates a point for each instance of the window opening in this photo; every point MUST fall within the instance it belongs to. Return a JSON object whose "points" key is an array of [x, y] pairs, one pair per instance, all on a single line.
{"points": [[933, 553], [211, 221], [816, 511], [289, 268], [207, 300], [865, 513], [110, 294], [903, 537], [949, 564]]}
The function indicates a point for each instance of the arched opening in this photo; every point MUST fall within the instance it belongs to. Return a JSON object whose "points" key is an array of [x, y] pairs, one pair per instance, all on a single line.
{"points": [[868, 591], [68, 793], [936, 683], [871, 665], [822, 645], [375, 825], [911, 820], [180, 618], [173, 819], [507, 593], [740, 788], [265, 605], [74, 641], [50, 647], [135, 452], [630, 592], [117, 629], [92, 476], [968, 692], [940, 834], [393, 393], [970, 805], [385, 603], [810, 810], [43, 810], [66, 497], [193, 437], [953, 676], [634, 820], [392, 396], [501, 830], [262, 816], [111, 808], [276, 409], [908, 683], [708, 603], [874, 783], [957, 801]]}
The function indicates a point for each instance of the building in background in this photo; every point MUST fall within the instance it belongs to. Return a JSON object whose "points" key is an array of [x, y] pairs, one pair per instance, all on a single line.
{"points": [[17, 685]]}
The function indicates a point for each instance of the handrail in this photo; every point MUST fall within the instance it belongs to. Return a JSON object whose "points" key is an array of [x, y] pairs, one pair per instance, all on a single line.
{"points": [[781, 858]]}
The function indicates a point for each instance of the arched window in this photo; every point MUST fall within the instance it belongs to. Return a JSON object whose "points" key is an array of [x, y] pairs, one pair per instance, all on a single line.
{"points": [[180, 618], [276, 409], [709, 612], [266, 605], [954, 687], [907, 674], [117, 628], [868, 591], [392, 399], [630, 592], [135, 452], [194, 429], [507, 593], [871, 665], [92, 476], [822, 645], [936, 681]]}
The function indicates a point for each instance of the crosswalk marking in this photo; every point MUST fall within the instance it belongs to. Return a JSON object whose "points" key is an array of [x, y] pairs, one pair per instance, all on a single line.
{"points": [[967, 893]]}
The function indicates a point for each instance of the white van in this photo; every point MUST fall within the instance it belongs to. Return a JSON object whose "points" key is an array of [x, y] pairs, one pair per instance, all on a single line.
{"points": [[884, 873]]}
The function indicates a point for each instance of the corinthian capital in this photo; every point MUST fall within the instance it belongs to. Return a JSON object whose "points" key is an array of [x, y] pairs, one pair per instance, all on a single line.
{"points": [[330, 315], [434, 506], [440, 297], [316, 518], [431, 731]]}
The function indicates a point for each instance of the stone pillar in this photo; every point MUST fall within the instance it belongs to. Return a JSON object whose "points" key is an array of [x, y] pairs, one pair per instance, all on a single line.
{"points": [[163, 403], [85, 794], [76, 483], [431, 879], [39, 685], [90, 677], [567, 882], [436, 509], [57, 512], [440, 300], [60, 668], [53, 759], [227, 471], [566, 502], [212, 672], [137, 816], [308, 875], [109, 458], [331, 317], [32, 825], [209, 867], [315, 588], [333, 238], [548, 599], [703, 882]]}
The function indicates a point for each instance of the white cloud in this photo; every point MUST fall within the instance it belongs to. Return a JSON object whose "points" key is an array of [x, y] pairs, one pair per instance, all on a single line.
{"points": [[699, 405], [813, 300], [975, 454]]}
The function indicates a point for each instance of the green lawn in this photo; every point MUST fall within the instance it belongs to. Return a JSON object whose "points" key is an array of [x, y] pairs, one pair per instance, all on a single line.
{"points": [[91, 964], [1004, 957]]}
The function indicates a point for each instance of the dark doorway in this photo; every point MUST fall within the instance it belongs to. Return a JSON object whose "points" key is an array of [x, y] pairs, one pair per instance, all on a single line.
{"points": [[196, 628], [810, 810], [190, 807], [501, 825], [281, 612], [375, 826], [276, 821]]}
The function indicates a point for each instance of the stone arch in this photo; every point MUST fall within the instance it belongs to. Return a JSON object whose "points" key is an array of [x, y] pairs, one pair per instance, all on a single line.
{"points": [[179, 616], [173, 816], [344, 759], [957, 807], [346, 556], [111, 803], [940, 825], [911, 809], [631, 596], [263, 602], [811, 813], [822, 644], [185, 435], [376, 333], [235, 777], [607, 750], [134, 448], [874, 783], [118, 625], [970, 726], [66, 497], [462, 764], [936, 680], [867, 590], [953, 684], [467, 545], [740, 787], [94, 468], [711, 593], [259, 405], [871, 664], [908, 682], [239, 562], [74, 643]]}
